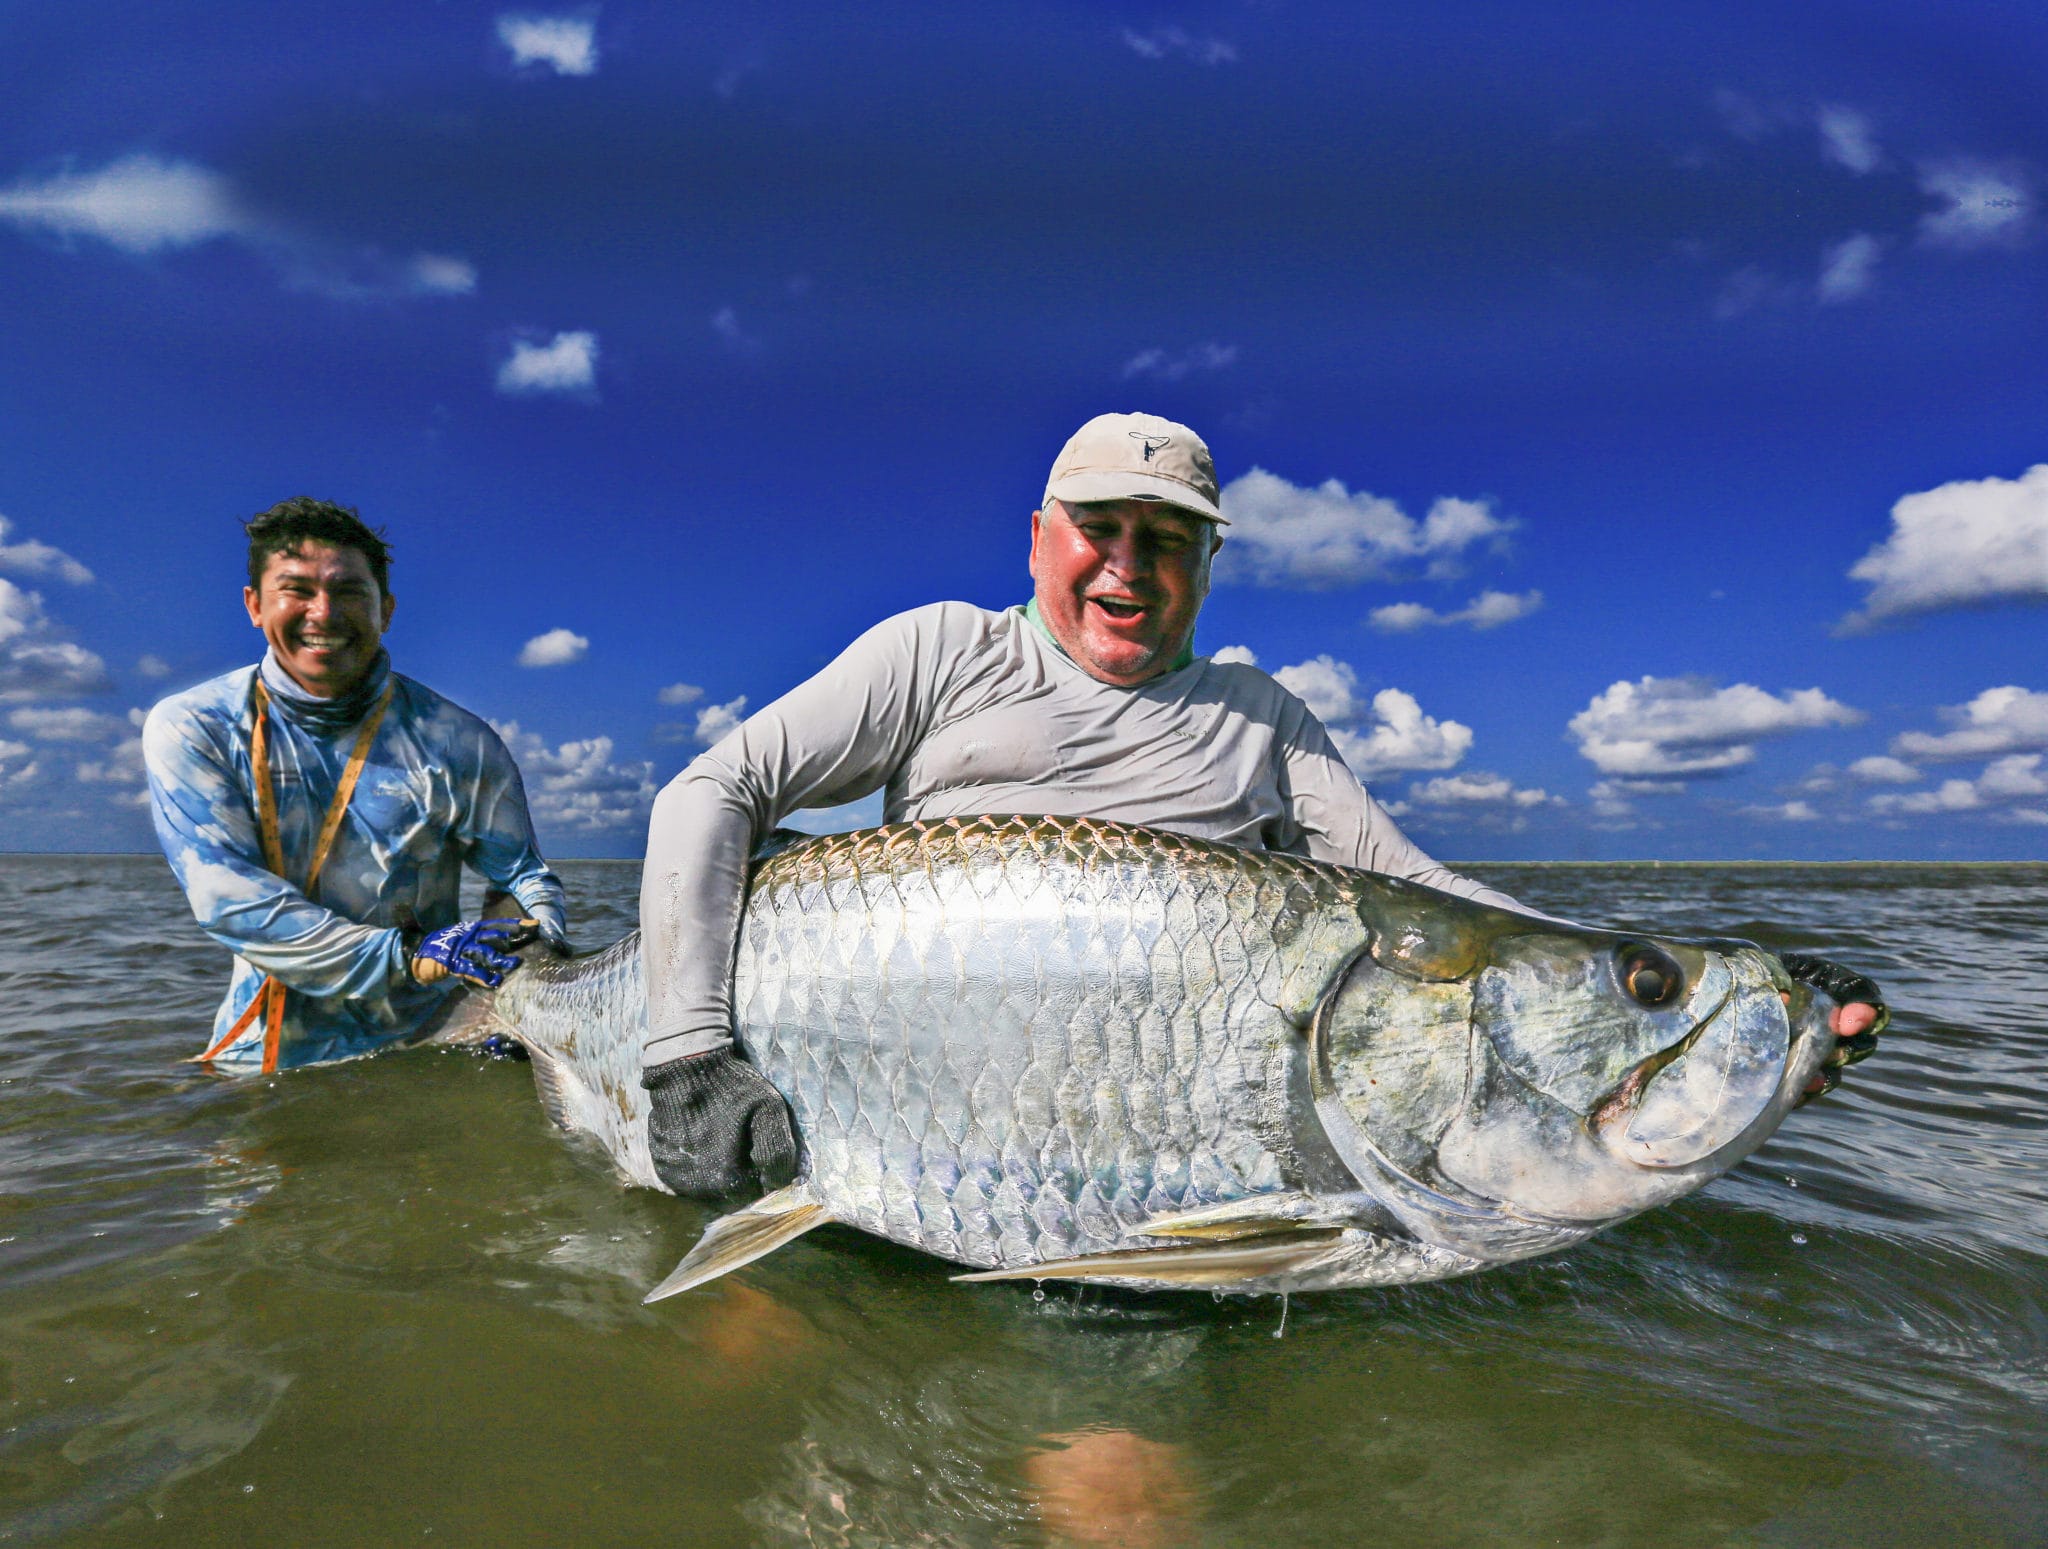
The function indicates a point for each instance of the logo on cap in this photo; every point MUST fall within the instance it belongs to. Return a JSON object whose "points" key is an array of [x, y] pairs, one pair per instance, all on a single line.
{"points": [[1150, 443]]}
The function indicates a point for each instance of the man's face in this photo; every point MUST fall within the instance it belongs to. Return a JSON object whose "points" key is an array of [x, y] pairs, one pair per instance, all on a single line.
{"points": [[1119, 583], [323, 614]]}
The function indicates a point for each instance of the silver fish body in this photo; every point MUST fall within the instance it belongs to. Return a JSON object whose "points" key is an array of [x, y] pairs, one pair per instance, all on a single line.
{"points": [[1059, 1048]]}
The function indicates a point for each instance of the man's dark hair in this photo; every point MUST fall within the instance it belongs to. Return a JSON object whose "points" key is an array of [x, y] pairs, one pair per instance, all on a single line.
{"points": [[289, 523]]}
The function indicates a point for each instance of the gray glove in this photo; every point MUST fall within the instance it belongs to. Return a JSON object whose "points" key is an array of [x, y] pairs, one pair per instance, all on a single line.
{"points": [[717, 1128], [1845, 987]]}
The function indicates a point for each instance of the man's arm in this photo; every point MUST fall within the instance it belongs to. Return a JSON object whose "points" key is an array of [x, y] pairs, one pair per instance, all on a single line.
{"points": [[207, 826], [835, 738], [1341, 822]]}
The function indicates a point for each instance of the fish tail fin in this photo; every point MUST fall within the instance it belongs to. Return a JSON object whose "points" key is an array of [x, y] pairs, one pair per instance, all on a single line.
{"points": [[745, 1235]]}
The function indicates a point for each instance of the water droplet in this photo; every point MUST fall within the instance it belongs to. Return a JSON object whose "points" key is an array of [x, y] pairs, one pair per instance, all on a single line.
{"points": [[1038, 1293], [1799, 1239], [248, 1489]]}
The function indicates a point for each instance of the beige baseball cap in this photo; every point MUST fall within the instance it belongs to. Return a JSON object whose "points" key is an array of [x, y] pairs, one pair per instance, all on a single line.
{"points": [[1136, 457]]}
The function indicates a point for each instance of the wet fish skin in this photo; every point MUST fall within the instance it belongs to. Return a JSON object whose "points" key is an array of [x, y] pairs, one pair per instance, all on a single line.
{"points": [[1035, 1044]]}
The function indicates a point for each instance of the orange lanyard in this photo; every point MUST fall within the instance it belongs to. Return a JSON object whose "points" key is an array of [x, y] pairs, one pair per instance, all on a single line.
{"points": [[269, 999]]}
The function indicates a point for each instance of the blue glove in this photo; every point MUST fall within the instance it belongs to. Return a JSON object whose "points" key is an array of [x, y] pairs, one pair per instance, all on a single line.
{"points": [[475, 950]]}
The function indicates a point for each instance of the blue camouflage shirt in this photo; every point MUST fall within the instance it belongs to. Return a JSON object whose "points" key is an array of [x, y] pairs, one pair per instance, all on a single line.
{"points": [[438, 790]]}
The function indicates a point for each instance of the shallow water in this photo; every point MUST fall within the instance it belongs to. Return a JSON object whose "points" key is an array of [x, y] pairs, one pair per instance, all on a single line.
{"points": [[384, 1302]]}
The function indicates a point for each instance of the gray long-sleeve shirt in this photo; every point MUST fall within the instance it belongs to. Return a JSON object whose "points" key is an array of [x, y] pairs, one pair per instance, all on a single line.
{"points": [[953, 710]]}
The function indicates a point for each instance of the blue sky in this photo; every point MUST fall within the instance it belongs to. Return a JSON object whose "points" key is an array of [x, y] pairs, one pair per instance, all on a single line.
{"points": [[1635, 423]]}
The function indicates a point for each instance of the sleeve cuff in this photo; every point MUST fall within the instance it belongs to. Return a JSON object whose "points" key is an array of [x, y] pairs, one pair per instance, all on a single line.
{"points": [[681, 1043]]}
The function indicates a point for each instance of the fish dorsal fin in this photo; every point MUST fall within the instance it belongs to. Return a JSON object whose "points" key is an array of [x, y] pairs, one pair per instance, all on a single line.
{"points": [[742, 1237], [1212, 1266]]}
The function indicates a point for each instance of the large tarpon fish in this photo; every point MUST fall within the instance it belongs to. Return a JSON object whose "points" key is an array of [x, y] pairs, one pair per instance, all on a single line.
{"points": [[1056, 1049]]}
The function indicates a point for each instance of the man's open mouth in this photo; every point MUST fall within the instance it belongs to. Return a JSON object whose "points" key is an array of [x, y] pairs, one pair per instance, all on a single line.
{"points": [[1119, 609]]}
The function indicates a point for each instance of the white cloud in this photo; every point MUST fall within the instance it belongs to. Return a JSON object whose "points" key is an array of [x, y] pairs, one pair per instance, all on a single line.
{"points": [[565, 44], [1879, 770], [2006, 781], [123, 767], [735, 70], [138, 204], [1327, 686], [1163, 41], [680, 694], [1848, 139], [439, 274], [143, 205], [1283, 535], [1389, 734], [1964, 543], [576, 785], [71, 725], [1750, 289], [1166, 367], [36, 662], [725, 322], [1977, 204], [1785, 812], [1748, 119], [1950, 796], [1612, 803], [556, 648], [2017, 774], [1687, 726], [2010, 719], [32, 558], [17, 764], [151, 666], [1478, 787], [1848, 270], [714, 721], [1242, 655], [566, 364], [1489, 610]]}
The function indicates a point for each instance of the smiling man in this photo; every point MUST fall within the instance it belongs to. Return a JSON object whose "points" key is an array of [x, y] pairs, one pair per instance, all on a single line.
{"points": [[1087, 701], [318, 809]]}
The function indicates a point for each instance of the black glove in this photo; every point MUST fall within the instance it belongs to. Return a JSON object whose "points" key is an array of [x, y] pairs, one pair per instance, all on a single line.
{"points": [[717, 1128], [1844, 987]]}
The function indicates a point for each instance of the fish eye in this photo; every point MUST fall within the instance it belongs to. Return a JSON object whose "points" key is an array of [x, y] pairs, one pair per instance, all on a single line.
{"points": [[1650, 975]]}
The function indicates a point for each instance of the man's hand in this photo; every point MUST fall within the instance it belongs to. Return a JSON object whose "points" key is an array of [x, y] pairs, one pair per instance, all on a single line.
{"points": [[475, 951], [717, 1128], [1860, 1014]]}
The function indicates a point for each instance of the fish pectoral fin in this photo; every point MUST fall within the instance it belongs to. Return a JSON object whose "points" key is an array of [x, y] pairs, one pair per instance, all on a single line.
{"points": [[1262, 1215], [1218, 1266], [1269, 1215], [742, 1237], [551, 1084]]}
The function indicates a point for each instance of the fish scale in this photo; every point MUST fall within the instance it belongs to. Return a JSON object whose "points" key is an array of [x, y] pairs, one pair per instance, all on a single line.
{"points": [[1029, 982]]}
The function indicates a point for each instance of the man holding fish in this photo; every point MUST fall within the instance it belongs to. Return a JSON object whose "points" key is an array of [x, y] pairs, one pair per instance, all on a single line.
{"points": [[1086, 702], [318, 809]]}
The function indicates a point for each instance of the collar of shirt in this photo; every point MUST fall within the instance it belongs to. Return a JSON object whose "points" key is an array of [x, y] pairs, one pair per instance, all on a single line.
{"points": [[1186, 657], [323, 717]]}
